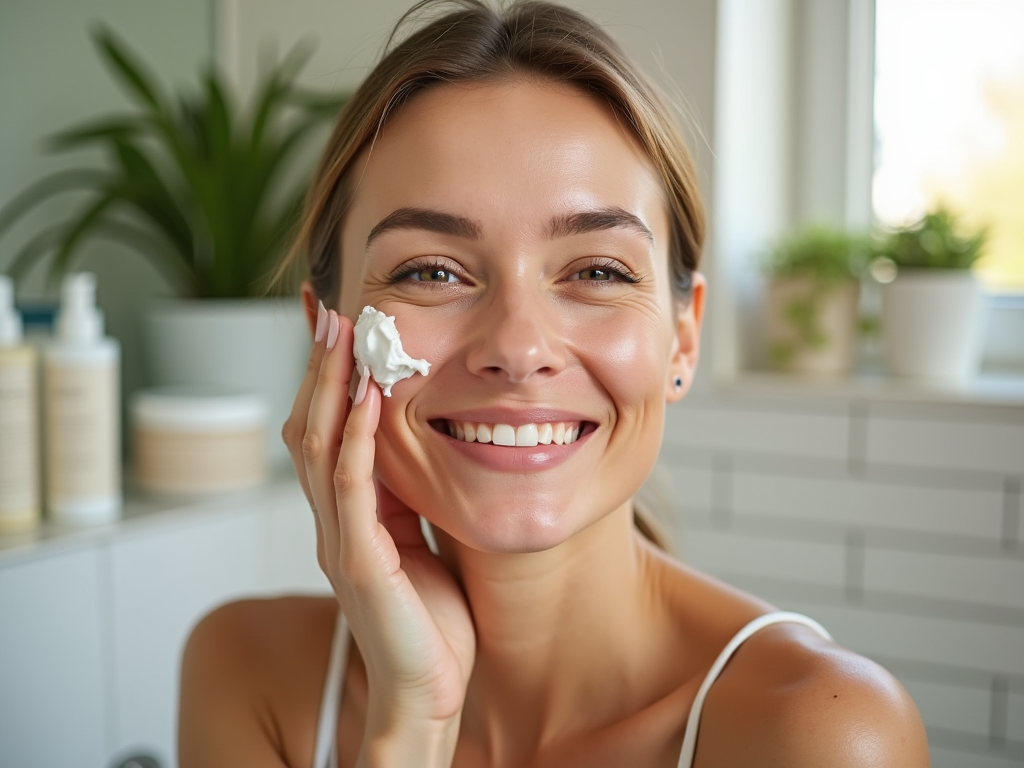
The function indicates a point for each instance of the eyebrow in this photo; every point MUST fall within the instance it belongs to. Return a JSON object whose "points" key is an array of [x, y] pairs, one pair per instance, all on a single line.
{"points": [[581, 222], [426, 219], [578, 223]]}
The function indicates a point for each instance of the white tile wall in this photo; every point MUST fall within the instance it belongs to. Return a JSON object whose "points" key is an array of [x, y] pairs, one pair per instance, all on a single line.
{"points": [[955, 758], [724, 553], [953, 707], [1015, 716], [860, 502], [820, 435], [983, 447], [996, 580], [899, 526]]}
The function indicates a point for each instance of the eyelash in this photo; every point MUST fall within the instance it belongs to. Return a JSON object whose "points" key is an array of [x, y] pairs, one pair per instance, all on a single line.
{"points": [[407, 270], [612, 266]]}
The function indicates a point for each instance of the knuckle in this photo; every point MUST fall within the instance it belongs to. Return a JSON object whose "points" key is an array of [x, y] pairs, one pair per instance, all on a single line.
{"points": [[344, 481], [292, 432], [312, 446]]}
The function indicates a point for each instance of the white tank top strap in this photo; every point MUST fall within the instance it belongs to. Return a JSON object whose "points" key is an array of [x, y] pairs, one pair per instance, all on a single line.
{"points": [[325, 753], [693, 721]]}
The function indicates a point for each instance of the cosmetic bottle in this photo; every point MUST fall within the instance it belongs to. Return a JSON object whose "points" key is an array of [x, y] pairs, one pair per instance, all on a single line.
{"points": [[19, 421], [81, 370]]}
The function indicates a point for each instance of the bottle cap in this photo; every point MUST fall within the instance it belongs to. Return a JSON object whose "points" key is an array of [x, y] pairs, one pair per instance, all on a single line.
{"points": [[80, 320], [10, 320]]}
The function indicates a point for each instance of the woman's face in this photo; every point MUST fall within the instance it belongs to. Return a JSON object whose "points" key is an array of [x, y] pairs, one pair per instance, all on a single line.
{"points": [[519, 237]]}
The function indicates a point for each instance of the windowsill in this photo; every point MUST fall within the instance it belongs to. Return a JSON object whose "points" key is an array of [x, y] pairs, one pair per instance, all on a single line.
{"points": [[1002, 388]]}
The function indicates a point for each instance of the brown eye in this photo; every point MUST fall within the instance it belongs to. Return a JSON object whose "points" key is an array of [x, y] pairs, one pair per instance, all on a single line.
{"points": [[596, 274], [433, 275]]}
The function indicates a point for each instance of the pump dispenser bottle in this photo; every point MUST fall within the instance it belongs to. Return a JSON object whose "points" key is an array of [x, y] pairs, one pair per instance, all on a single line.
{"points": [[19, 421], [83, 432]]}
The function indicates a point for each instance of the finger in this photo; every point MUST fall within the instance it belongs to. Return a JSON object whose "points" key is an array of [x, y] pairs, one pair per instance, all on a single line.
{"points": [[328, 409], [353, 480], [294, 428]]}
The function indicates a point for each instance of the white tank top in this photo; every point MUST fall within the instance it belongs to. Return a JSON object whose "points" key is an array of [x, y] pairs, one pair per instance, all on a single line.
{"points": [[326, 756]]}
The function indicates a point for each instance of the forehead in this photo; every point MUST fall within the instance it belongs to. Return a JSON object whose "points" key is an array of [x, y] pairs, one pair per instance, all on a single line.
{"points": [[513, 151]]}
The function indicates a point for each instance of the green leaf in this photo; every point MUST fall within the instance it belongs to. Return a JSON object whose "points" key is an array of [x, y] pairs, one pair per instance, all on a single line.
{"points": [[123, 64], [46, 188]]}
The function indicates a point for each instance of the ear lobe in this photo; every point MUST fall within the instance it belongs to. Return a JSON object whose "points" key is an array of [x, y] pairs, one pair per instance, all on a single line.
{"points": [[686, 342], [310, 303]]}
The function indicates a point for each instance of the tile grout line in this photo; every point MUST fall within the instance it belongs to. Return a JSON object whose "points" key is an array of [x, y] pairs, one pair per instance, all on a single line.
{"points": [[854, 566], [857, 439], [1011, 514], [999, 711], [721, 490]]}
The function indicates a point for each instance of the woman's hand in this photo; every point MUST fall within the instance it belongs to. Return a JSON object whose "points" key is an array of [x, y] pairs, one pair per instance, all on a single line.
{"points": [[407, 613]]}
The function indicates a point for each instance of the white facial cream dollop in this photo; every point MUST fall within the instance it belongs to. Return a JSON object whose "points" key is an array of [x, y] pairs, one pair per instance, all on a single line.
{"points": [[378, 348]]}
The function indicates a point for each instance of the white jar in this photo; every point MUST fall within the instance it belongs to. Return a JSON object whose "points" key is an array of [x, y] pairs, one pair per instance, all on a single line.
{"points": [[194, 440]]}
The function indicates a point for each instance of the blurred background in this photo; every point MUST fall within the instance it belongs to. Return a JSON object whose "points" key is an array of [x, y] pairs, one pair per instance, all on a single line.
{"points": [[886, 504]]}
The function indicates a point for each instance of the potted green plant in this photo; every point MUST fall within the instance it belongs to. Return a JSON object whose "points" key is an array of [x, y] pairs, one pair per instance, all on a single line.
{"points": [[209, 194], [932, 303], [812, 296]]}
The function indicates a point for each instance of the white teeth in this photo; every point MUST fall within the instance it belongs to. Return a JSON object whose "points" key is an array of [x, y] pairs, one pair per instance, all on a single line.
{"points": [[543, 434], [503, 434], [558, 433], [526, 435]]}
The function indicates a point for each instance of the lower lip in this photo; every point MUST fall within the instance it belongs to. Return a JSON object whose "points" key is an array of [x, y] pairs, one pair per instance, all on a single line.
{"points": [[514, 459]]}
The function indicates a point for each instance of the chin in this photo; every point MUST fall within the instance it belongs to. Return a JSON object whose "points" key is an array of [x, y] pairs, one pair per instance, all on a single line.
{"points": [[516, 527]]}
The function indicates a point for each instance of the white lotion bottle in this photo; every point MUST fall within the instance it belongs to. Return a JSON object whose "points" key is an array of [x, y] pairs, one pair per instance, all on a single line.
{"points": [[20, 508], [82, 411]]}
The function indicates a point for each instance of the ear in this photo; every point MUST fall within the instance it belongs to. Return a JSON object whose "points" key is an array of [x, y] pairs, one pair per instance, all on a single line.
{"points": [[310, 303], [686, 341]]}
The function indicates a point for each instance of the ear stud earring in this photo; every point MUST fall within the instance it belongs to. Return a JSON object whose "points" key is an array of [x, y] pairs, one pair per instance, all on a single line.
{"points": [[678, 383]]}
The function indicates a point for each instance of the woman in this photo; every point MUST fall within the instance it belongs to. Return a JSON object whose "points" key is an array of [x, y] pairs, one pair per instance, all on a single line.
{"points": [[514, 193]]}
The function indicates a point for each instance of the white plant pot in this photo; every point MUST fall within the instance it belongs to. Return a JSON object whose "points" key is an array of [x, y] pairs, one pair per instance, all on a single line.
{"points": [[256, 345], [932, 324], [836, 321]]}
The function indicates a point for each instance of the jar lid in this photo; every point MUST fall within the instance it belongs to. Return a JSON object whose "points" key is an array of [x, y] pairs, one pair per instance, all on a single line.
{"points": [[203, 409]]}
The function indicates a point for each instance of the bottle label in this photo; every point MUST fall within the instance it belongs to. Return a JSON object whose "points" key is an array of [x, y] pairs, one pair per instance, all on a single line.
{"points": [[19, 459], [83, 459]]}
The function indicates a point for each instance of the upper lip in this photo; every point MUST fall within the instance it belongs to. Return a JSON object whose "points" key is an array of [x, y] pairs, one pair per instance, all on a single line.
{"points": [[513, 416]]}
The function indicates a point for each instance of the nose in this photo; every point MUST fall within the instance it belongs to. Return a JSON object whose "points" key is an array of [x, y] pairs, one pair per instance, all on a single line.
{"points": [[516, 340]]}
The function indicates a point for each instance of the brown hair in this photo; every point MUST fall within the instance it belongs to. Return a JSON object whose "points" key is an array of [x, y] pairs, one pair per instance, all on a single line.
{"points": [[473, 42]]}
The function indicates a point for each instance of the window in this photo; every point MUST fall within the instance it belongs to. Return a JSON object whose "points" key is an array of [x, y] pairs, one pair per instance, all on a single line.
{"points": [[949, 121]]}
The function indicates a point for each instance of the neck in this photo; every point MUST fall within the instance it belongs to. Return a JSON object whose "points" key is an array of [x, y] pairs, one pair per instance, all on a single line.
{"points": [[549, 625]]}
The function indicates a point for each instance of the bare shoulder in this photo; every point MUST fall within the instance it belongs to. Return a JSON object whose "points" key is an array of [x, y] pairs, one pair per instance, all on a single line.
{"points": [[250, 680], [792, 698]]}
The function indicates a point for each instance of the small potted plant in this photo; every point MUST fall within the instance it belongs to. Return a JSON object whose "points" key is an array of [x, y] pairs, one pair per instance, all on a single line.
{"points": [[932, 303], [210, 195], [812, 296]]}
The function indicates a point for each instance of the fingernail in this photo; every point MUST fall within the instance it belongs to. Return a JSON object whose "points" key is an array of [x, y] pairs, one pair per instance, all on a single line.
{"points": [[321, 322], [332, 331], [364, 382]]}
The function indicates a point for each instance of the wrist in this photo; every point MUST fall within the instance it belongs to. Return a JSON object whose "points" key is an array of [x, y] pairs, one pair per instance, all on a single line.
{"points": [[397, 741]]}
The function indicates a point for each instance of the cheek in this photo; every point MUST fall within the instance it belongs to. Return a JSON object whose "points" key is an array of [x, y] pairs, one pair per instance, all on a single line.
{"points": [[629, 357]]}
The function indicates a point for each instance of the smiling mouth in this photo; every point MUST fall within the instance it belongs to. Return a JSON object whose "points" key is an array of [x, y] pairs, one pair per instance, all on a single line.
{"points": [[521, 436]]}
